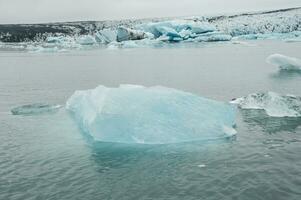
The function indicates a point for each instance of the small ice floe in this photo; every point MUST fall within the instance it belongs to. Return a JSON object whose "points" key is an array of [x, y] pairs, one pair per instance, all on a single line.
{"points": [[291, 40], [36, 108], [274, 104], [202, 166], [244, 43], [150, 115], [284, 62]]}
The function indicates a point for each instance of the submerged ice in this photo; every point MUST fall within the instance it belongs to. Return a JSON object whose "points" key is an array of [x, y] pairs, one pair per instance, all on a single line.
{"points": [[274, 104], [284, 62], [36, 108], [153, 115]]}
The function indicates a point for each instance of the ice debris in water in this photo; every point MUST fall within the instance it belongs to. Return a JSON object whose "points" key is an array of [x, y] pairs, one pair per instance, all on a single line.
{"points": [[274, 104], [86, 40], [150, 115], [284, 62], [176, 30], [36, 108], [281, 24], [106, 36], [125, 34]]}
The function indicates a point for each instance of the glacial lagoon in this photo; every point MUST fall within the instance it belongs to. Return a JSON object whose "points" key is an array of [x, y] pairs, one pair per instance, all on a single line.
{"points": [[49, 156]]}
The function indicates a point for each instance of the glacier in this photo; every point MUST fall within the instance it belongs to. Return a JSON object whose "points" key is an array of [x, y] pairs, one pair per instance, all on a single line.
{"points": [[274, 104], [281, 24], [150, 115], [36, 108], [284, 62]]}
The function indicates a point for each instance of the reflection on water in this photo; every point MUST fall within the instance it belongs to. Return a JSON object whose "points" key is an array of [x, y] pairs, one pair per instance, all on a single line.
{"points": [[113, 156], [276, 143], [285, 74], [270, 124]]}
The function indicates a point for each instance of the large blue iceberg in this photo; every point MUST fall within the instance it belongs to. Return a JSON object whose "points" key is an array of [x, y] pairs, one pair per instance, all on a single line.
{"points": [[153, 115]]}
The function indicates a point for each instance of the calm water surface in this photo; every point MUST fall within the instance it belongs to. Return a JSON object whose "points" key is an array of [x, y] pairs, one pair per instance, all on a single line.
{"points": [[47, 157]]}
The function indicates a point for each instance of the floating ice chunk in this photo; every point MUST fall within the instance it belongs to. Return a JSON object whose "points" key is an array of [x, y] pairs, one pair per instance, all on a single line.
{"points": [[213, 37], [60, 40], [275, 105], [284, 62], [290, 40], [202, 166], [86, 40], [37, 108], [177, 30], [124, 34], [243, 43], [53, 39], [154, 115], [106, 36], [136, 43]]}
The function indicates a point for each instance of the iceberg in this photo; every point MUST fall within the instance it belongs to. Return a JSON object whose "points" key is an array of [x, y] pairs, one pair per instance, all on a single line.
{"points": [[86, 40], [36, 108], [150, 115], [274, 104], [284, 62], [106, 36], [213, 37], [176, 30], [124, 34]]}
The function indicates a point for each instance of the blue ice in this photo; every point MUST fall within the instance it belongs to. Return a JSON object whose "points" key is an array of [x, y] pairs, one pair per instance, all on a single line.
{"points": [[150, 115], [176, 30]]}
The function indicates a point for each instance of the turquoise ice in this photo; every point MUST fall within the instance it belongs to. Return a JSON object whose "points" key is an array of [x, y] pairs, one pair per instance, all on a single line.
{"points": [[274, 104], [150, 115]]}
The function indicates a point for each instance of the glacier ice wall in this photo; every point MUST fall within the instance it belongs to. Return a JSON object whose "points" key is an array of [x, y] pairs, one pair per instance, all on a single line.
{"points": [[274, 104], [150, 115], [282, 24], [284, 62]]}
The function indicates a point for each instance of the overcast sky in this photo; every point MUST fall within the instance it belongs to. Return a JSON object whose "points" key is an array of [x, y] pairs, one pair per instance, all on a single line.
{"points": [[33, 11]]}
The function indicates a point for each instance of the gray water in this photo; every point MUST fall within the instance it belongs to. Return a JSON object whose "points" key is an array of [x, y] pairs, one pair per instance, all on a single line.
{"points": [[47, 157]]}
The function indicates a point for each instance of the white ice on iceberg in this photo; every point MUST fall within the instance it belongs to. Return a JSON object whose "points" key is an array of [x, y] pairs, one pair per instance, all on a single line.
{"points": [[151, 115], [274, 104], [284, 62]]}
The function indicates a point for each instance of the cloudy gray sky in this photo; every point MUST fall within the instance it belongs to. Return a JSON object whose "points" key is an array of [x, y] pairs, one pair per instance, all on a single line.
{"points": [[33, 11]]}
